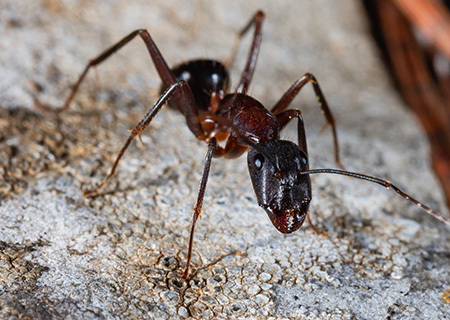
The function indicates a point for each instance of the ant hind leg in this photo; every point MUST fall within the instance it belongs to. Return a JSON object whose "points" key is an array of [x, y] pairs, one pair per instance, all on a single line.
{"points": [[249, 69]]}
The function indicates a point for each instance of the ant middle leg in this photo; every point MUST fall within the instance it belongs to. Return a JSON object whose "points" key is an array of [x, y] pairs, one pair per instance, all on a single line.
{"points": [[137, 131], [198, 206], [292, 92], [249, 69]]}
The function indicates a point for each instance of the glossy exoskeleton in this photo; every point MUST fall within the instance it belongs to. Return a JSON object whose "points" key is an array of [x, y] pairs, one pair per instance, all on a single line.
{"points": [[278, 169]]}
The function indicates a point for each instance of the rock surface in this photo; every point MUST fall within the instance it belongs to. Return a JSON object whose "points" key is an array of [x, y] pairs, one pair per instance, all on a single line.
{"points": [[120, 255]]}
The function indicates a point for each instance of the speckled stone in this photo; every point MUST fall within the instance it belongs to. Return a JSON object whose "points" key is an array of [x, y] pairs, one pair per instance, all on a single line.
{"points": [[120, 255]]}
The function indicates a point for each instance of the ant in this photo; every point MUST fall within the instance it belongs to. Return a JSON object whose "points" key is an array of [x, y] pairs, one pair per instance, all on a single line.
{"points": [[279, 169]]}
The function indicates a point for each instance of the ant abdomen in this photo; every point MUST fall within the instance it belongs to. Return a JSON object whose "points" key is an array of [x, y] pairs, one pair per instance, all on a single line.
{"points": [[205, 78]]}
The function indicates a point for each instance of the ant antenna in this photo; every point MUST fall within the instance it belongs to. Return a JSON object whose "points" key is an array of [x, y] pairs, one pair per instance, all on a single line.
{"points": [[385, 183]]}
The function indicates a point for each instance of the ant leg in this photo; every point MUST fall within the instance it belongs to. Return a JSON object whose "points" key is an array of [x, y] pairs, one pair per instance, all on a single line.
{"points": [[249, 69], [292, 92], [283, 119], [286, 116], [315, 230], [198, 206], [99, 59], [184, 100], [137, 130]]}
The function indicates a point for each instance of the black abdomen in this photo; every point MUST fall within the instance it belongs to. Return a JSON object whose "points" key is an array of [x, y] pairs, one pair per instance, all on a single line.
{"points": [[204, 77]]}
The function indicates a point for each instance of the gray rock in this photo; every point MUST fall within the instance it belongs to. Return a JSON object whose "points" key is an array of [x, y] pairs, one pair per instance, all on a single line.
{"points": [[121, 254]]}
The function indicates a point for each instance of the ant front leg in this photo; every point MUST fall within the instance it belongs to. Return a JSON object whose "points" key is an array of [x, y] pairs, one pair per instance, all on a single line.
{"points": [[283, 119], [249, 69], [286, 116], [198, 206], [137, 131], [292, 92]]}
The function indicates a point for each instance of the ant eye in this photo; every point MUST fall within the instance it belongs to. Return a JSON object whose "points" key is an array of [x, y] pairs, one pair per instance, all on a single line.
{"points": [[186, 76], [301, 161], [258, 160], [304, 161]]}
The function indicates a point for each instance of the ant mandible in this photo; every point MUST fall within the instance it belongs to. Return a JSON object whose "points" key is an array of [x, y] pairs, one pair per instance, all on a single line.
{"points": [[279, 169]]}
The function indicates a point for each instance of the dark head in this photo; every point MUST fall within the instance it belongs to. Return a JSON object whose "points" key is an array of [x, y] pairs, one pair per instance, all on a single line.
{"points": [[285, 194]]}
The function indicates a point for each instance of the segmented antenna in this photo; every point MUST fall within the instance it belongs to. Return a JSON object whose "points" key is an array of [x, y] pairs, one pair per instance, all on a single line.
{"points": [[385, 183]]}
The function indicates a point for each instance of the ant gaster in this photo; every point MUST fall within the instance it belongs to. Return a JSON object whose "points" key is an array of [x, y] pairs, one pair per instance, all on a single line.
{"points": [[278, 168]]}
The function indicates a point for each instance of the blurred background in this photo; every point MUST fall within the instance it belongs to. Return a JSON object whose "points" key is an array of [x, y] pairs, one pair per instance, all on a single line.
{"points": [[414, 36]]}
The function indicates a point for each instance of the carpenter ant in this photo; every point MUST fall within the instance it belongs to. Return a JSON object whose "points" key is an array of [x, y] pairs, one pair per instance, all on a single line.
{"points": [[279, 169]]}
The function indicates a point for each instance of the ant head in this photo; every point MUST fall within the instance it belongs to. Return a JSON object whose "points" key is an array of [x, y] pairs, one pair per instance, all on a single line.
{"points": [[280, 189]]}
